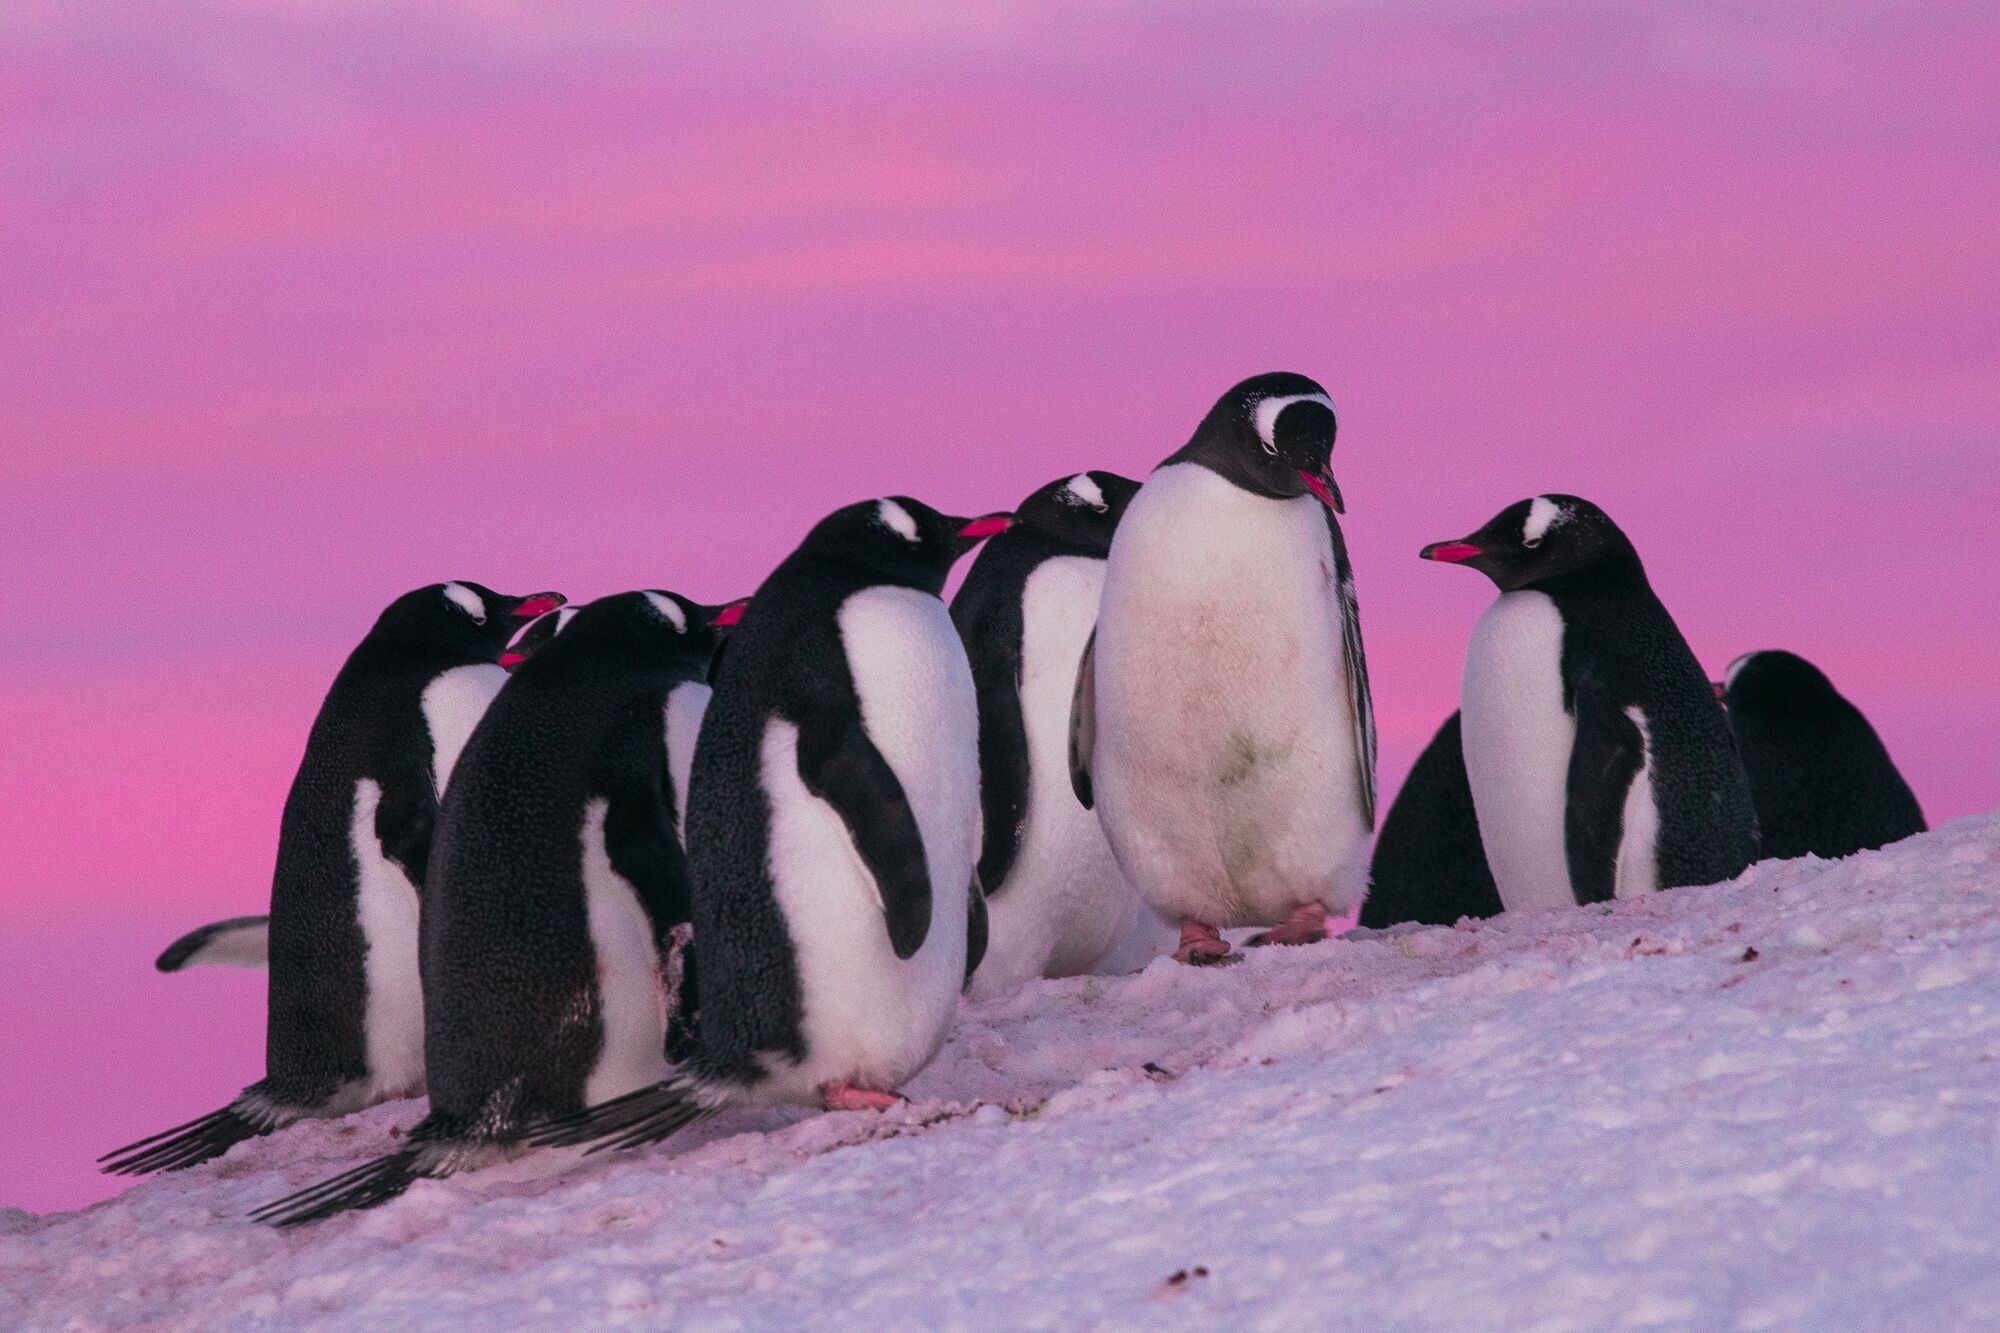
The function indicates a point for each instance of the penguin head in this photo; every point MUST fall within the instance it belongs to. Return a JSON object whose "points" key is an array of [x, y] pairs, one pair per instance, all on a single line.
{"points": [[664, 628], [461, 617], [1539, 539], [1775, 680], [536, 635], [900, 540], [1273, 436], [1080, 511]]}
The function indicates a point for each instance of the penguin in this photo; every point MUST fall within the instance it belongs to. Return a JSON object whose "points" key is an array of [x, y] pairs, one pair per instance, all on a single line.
{"points": [[557, 894], [1056, 902], [1822, 780], [1429, 866], [244, 941], [1222, 725], [345, 1021], [833, 820], [1600, 763]]}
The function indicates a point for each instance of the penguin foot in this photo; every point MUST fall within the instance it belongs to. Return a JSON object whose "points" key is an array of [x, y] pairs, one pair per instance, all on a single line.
{"points": [[1203, 946], [1306, 925], [843, 1097]]}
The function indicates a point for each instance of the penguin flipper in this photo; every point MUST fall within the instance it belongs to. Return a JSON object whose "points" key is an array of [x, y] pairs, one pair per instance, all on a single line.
{"points": [[1607, 755], [366, 1186], [975, 927], [404, 819], [1360, 701], [1083, 724], [840, 765], [240, 941]]}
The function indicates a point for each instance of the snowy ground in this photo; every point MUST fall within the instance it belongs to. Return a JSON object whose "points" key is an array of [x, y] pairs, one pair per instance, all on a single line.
{"points": [[1767, 1104]]}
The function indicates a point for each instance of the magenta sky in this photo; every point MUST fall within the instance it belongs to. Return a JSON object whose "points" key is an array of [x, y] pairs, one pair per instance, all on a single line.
{"points": [[305, 303]]}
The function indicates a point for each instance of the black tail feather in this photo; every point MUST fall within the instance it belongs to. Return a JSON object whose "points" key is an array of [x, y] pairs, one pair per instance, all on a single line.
{"points": [[637, 1118], [183, 1146], [366, 1186]]}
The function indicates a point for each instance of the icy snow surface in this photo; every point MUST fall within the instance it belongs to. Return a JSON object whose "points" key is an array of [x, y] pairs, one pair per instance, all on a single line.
{"points": [[1767, 1104]]}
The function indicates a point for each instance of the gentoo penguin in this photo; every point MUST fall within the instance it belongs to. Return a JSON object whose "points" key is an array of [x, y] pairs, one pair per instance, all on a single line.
{"points": [[833, 821], [345, 1023], [557, 884], [1429, 866], [1057, 904], [1222, 725], [1600, 763], [244, 941], [1822, 780]]}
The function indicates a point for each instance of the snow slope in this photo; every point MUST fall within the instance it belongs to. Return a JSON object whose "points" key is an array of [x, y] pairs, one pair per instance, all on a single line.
{"points": [[1767, 1104]]}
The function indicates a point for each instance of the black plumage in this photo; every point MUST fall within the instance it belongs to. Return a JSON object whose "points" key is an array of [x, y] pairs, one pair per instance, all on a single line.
{"points": [[1429, 865]]}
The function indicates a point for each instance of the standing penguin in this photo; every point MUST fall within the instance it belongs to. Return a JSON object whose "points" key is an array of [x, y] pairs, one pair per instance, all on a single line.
{"points": [[557, 884], [1222, 725], [345, 1027], [1823, 782], [244, 941], [1057, 904], [1600, 763], [1429, 865], [832, 828]]}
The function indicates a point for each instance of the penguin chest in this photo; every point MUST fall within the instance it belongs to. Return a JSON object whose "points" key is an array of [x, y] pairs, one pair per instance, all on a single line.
{"points": [[1064, 904], [1518, 737], [631, 998], [687, 704], [453, 703], [1225, 764], [386, 910], [871, 1018]]}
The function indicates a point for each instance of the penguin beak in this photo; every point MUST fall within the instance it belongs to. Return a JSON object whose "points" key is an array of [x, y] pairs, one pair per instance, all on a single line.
{"points": [[725, 617], [538, 604], [1451, 553], [512, 658], [986, 525], [1325, 487], [1721, 690]]}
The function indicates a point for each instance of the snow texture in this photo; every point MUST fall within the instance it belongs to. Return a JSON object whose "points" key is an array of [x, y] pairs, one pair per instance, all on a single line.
{"points": [[1770, 1104]]}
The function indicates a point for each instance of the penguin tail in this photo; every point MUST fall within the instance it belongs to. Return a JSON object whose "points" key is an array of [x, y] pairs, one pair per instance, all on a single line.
{"points": [[366, 1186], [638, 1118], [175, 1149]]}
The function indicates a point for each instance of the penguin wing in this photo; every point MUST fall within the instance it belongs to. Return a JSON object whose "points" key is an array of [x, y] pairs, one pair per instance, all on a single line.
{"points": [[640, 842], [1083, 723], [1606, 756], [241, 941], [1360, 702], [975, 928], [404, 820], [839, 764]]}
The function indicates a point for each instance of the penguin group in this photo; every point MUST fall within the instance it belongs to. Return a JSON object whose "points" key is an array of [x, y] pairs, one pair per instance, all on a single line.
{"points": [[587, 875]]}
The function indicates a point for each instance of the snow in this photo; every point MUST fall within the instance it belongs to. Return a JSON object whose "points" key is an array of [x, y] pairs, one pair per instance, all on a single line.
{"points": [[1773, 1103]]}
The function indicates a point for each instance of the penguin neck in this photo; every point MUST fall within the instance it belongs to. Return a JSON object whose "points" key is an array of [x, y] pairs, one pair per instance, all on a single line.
{"points": [[1231, 464], [1616, 572]]}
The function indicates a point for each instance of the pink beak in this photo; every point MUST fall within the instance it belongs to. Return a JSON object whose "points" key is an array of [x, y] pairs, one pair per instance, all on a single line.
{"points": [[729, 615], [1327, 495], [511, 659], [1450, 553], [986, 527], [539, 605]]}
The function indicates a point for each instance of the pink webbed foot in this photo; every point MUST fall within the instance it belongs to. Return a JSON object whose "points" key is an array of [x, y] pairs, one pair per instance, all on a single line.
{"points": [[1203, 946], [843, 1097], [1306, 925]]}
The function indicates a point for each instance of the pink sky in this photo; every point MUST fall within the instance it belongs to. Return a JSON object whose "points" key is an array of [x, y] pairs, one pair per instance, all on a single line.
{"points": [[303, 304]]}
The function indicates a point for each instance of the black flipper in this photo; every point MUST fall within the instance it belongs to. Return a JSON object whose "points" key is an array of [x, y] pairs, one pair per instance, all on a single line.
{"points": [[1003, 766], [645, 1116], [403, 823], [366, 1186], [1606, 756], [1083, 724], [1360, 702], [175, 1149], [975, 927], [841, 766], [241, 941]]}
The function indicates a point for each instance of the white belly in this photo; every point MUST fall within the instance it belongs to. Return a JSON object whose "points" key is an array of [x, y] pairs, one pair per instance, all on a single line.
{"points": [[453, 703], [632, 1006], [872, 1019], [1065, 905], [1225, 766], [393, 1026], [687, 704], [1517, 739]]}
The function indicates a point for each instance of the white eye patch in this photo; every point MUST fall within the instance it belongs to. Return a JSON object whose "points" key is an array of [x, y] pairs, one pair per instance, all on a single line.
{"points": [[1086, 492], [1269, 408], [670, 611], [468, 601], [1543, 514], [897, 519]]}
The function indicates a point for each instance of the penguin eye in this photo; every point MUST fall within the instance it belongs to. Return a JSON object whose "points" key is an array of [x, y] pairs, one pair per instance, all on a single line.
{"points": [[1531, 542]]}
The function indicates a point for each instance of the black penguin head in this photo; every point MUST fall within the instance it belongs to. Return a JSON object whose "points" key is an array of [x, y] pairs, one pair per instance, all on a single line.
{"points": [[664, 628], [536, 636], [1272, 435], [1775, 680], [464, 618], [1537, 540], [900, 540], [1080, 511]]}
